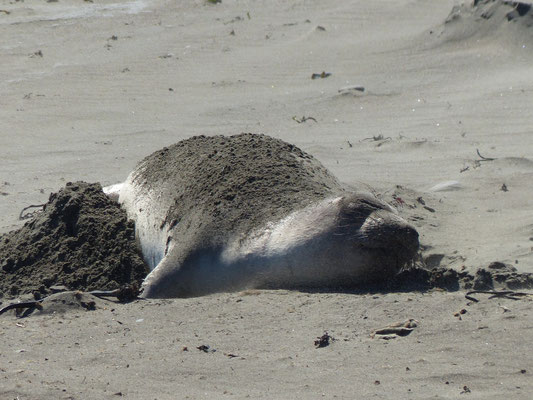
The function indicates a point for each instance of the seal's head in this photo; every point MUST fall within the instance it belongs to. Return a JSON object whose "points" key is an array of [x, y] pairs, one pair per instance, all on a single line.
{"points": [[343, 241]]}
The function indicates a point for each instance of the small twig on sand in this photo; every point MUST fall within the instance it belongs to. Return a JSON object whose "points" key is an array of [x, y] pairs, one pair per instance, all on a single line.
{"points": [[29, 215], [506, 294], [303, 119], [484, 158], [377, 138], [323, 75]]}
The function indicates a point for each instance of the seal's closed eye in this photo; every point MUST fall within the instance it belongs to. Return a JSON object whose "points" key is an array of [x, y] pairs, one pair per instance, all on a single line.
{"points": [[357, 206]]}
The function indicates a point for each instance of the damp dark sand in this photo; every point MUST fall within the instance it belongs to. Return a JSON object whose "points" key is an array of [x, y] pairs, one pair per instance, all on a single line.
{"points": [[81, 240]]}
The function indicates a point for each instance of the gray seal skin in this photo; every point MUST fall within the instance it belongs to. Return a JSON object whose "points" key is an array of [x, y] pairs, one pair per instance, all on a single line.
{"points": [[218, 214]]}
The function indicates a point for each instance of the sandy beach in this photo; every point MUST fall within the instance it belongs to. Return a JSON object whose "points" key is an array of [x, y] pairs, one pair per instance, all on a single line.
{"points": [[427, 102]]}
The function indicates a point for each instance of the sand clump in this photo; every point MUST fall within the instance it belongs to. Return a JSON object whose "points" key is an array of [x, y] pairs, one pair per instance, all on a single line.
{"points": [[487, 21], [81, 240]]}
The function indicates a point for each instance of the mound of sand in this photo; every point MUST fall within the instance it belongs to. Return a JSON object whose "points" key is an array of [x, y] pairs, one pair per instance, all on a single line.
{"points": [[81, 240], [501, 19]]}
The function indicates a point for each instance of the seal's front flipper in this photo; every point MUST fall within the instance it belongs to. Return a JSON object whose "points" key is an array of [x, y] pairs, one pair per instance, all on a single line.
{"points": [[113, 191]]}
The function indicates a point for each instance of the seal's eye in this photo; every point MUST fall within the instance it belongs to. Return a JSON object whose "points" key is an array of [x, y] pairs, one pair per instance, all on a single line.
{"points": [[373, 205], [364, 205], [356, 208]]}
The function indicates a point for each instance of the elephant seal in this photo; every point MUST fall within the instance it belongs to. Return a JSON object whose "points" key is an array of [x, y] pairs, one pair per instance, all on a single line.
{"points": [[217, 214]]}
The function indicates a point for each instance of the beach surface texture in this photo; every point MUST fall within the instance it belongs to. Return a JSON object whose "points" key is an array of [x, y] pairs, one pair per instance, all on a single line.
{"points": [[428, 102]]}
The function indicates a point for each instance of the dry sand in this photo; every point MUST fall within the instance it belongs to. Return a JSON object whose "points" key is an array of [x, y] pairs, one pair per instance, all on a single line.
{"points": [[89, 89], [138, 349]]}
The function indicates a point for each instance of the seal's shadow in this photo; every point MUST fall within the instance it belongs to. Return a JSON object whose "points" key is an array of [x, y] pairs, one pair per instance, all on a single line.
{"points": [[412, 279]]}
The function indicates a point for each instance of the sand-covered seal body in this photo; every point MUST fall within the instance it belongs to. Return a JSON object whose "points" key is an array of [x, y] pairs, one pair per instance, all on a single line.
{"points": [[228, 213]]}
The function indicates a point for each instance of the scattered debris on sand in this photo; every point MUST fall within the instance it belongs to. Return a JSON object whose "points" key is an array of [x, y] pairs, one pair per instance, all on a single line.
{"points": [[321, 75], [324, 340], [402, 328]]}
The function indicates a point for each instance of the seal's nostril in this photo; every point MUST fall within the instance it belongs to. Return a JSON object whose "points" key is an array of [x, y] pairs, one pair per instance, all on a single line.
{"points": [[411, 232]]}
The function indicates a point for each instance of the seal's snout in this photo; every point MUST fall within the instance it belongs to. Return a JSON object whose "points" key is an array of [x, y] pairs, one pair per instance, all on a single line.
{"points": [[386, 230], [408, 238], [402, 236]]}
